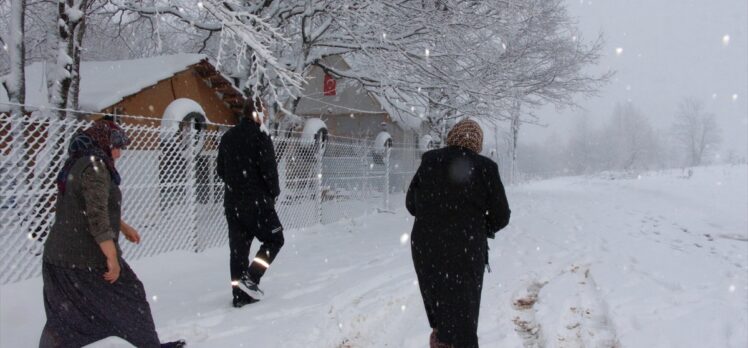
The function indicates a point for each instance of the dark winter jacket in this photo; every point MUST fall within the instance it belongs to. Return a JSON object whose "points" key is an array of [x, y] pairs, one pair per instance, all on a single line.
{"points": [[87, 214], [458, 201], [246, 164]]}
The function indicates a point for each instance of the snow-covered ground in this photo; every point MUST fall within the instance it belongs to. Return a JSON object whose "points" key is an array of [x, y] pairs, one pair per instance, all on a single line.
{"points": [[653, 261]]}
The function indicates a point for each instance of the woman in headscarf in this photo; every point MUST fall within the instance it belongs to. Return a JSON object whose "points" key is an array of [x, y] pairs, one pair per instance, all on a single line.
{"points": [[458, 202], [90, 292]]}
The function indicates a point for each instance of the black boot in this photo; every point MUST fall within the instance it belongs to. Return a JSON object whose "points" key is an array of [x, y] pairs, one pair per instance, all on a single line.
{"points": [[175, 344], [241, 298]]}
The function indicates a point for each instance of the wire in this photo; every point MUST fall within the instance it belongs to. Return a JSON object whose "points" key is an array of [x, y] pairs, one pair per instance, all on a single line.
{"points": [[347, 108], [139, 117]]}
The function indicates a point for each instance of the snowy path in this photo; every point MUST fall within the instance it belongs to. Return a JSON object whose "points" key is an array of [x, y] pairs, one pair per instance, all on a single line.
{"points": [[659, 261]]}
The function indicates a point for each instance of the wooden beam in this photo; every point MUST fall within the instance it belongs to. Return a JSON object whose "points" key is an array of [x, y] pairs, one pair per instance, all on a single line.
{"points": [[235, 100]]}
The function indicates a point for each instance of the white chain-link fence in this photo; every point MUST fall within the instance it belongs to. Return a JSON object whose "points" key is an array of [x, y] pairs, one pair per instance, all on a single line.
{"points": [[171, 193]]}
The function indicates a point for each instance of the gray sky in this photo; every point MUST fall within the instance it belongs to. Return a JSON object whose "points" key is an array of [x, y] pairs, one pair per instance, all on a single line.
{"points": [[670, 49]]}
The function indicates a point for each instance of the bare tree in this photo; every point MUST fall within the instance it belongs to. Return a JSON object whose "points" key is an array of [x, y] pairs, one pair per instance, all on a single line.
{"points": [[581, 149], [72, 15], [695, 130], [13, 43], [15, 82], [630, 142], [484, 59], [434, 60]]}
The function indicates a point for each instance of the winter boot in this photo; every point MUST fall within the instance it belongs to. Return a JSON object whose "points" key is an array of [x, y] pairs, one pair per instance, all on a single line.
{"points": [[242, 301], [175, 344], [251, 288]]}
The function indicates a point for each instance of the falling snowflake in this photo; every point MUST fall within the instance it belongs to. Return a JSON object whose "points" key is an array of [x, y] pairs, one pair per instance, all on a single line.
{"points": [[726, 40], [619, 51], [404, 238]]}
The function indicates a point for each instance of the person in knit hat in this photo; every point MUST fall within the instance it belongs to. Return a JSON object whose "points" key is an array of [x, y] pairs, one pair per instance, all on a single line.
{"points": [[458, 202], [467, 134]]}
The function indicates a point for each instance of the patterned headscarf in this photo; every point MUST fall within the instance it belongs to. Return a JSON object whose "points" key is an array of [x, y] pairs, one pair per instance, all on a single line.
{"points": [[467, 134], [97, 141]]}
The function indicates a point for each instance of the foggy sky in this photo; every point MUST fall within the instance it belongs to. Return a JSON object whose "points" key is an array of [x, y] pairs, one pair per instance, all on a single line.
{"points": [[670, 49]]}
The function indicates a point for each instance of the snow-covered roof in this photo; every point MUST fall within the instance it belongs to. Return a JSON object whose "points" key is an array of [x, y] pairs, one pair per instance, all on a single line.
{"points": [[405, 109], [105, 83]]}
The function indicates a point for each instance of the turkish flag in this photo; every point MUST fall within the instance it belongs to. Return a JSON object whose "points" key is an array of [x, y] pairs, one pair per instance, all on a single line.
{"points": [[330, 84]]}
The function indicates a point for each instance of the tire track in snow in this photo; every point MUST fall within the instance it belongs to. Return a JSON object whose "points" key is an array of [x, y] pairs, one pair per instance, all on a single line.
{"points": [[525, 322], [584, 320], [591, 323]]}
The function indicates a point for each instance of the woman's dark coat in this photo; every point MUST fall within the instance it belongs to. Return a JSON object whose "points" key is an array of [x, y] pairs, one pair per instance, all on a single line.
{"points": [[458, 202]]}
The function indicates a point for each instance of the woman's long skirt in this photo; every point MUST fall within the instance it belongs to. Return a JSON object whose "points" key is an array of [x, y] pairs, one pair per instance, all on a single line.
{"points": [[450, 269], [83, 308]]}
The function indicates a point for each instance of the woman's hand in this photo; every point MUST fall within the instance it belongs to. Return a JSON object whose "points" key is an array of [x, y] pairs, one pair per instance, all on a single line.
{"points": [[130, 233], [113, 269], [112, 261]]}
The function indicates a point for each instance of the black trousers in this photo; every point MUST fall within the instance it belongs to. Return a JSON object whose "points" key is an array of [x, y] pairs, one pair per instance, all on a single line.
{"points": [[247, 222]]}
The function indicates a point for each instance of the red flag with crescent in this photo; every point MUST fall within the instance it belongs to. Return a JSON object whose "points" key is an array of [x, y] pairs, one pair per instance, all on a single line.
{"points": [[330, 85]]}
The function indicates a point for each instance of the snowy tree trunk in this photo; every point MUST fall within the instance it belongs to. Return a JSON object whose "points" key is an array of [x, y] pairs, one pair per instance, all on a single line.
{"points": [[74, 93], [15, 83], [515, 124], [71, 15]]}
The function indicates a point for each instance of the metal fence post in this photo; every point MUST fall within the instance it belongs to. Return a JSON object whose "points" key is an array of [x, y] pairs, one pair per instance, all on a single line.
{"points": [[319, 155], [212, 194], [190, 187], [387, 174]]}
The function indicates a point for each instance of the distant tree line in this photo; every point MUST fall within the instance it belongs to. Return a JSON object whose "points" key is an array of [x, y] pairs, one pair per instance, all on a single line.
{"points": [[629, 142]]}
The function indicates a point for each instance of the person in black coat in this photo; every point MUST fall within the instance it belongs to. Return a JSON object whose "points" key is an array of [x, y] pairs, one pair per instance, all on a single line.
{"points": [[246, 163], [458, 202]]}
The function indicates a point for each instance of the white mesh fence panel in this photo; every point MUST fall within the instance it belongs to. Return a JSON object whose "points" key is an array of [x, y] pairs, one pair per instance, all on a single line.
{"points": [[171, 193]]}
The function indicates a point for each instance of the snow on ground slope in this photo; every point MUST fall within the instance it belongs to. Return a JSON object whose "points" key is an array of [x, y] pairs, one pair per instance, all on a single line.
{"points": [[655, 261]]}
